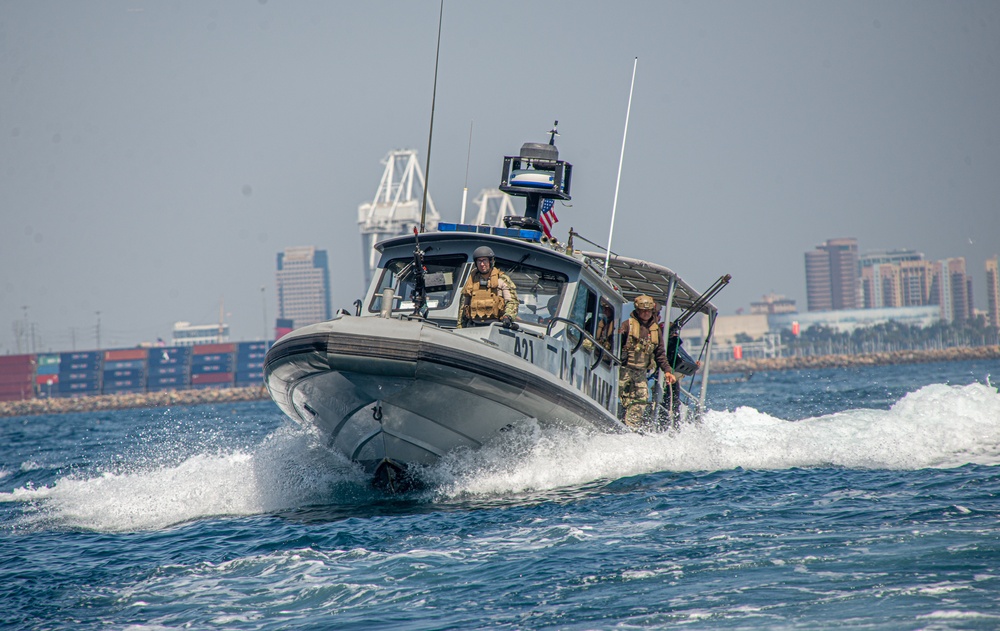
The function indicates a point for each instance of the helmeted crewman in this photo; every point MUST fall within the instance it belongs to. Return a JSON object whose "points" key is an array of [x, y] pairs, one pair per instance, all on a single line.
{"points": [[642, 351], [489, 295]]}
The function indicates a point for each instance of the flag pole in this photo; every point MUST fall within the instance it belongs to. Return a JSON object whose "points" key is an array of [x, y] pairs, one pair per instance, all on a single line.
{"points": [[614, 206]]}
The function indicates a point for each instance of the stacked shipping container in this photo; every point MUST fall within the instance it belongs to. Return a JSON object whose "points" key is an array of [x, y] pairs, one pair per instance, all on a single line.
{"points": [[250, 363], [212, 365], [80, 373], [47, 375], [169, 368], [17, 374], [124, 371], [86, 373]]}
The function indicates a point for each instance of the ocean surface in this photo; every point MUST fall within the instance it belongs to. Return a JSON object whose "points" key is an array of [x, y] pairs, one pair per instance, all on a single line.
{"points": [[864, 498]]}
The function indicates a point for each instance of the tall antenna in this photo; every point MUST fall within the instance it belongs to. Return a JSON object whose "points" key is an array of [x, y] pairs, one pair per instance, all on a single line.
{"points": [[614, 206], [465, 191], [430, 134]]}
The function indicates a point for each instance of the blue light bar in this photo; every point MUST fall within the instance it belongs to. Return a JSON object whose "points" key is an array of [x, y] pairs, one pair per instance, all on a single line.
{"points": [[513, 233]]}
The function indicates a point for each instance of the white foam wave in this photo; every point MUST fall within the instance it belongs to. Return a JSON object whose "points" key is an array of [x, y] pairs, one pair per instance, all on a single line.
{"points": [[288, 470], [937, 426]]}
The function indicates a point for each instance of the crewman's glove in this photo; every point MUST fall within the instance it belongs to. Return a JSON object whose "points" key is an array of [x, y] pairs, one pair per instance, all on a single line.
{"points": [[506, 321]]}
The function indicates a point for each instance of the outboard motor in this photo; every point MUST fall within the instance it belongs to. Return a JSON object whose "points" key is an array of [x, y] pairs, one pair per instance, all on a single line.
{"points": [[536, 174]]}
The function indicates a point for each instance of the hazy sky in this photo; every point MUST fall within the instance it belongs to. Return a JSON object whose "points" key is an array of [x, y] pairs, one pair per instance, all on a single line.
{"points": [[156, 155]]}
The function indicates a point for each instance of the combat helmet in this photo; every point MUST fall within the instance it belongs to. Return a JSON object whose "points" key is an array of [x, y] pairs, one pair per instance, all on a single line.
{"points": [[644, 302], [484, 251]]}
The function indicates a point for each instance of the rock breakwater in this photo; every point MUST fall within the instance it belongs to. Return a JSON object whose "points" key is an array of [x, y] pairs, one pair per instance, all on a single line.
{"points": [[847, 361], [132, 400], [225, 395]]}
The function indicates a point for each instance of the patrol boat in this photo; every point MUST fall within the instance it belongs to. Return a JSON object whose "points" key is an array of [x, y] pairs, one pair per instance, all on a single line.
{"points": [[398, 384]]}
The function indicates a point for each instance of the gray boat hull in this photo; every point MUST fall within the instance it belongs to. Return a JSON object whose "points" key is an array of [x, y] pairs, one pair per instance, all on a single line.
{"points": [[398, 393]]}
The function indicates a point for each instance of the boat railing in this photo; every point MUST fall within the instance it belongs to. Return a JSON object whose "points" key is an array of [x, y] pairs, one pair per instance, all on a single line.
{"points": [[601, 352]]}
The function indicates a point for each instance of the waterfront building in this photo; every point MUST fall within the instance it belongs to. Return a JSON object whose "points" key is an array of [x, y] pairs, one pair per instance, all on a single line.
{"points": [[993, 291], [771, 304], [881, 282], [952, 291], [832, 275], [187, 334], [846, 321], [303, 284]]}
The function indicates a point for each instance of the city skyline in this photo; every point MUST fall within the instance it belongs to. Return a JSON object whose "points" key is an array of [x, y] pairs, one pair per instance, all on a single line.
{"points": [[156, 155]]}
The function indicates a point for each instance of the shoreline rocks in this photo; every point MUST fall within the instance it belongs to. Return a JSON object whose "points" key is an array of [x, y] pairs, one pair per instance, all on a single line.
{"points": [[850, 361], [31, 407], [166, 398]]}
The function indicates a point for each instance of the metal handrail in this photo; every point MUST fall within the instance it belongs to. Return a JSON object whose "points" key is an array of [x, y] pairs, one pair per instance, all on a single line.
{"points": [[601, 351]]}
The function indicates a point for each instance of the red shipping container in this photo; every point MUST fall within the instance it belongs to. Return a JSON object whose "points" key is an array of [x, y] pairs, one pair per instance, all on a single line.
{"points": [[13, 388], [11, 379], [125, 354], [28, 394], [15, 361], [212, 377], [43, 380], [208, 349]]}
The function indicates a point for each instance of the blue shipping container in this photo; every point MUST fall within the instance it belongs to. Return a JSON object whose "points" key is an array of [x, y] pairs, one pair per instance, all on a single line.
{"points": [[211, 358], [168, 370], [174, 381], [81, 356], [127, 373], [67, 365], [210, 368], [89, 376], [116, 384], [124, 364], [78, 387], [124, 390], [252, 346], [49, 369], [172, 355], [255, 364]]}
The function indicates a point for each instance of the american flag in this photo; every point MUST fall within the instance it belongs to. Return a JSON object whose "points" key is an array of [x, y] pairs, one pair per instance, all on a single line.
{"points": [[548, 217]]}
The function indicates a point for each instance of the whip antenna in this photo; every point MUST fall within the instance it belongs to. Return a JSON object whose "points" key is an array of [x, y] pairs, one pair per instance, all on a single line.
{"points": [[430, 134], [465, 191], [614, 205]]}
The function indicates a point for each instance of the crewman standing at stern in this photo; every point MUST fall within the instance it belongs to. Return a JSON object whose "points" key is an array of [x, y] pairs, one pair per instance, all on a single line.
{"points": [[489, 295], [642, 351]]}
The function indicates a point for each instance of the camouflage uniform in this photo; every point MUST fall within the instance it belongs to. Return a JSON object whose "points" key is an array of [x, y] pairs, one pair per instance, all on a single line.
{"points": [[487, 298], [642, 351]]}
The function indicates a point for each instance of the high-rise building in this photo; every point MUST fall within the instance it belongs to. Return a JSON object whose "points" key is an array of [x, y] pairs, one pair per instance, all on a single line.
{"points": [[832, 276], [303, 283], [881, 282], [950, 290], [993, 291]]}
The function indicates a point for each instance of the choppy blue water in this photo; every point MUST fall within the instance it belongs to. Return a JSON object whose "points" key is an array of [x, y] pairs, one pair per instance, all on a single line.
{"points": [[859, 499]]}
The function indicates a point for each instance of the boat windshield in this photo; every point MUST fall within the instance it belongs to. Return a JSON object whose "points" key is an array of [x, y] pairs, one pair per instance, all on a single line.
{"points": [[441, 282], [539, 290]]}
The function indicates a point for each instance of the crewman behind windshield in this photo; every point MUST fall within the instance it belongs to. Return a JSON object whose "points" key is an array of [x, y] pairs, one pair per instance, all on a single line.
{"points": [[489, 295]]}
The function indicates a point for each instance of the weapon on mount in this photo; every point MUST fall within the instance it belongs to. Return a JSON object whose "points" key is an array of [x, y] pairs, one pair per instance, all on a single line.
{"points": [[419, 294], [678, 358]]}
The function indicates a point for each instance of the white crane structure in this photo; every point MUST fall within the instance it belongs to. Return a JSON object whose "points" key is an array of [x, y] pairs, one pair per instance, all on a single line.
{"points": [[493, 205], [395, 209]]}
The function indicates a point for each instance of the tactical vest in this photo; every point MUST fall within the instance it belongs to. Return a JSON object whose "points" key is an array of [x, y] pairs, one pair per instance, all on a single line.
{"points": [[639, 352], [484, 299]]}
